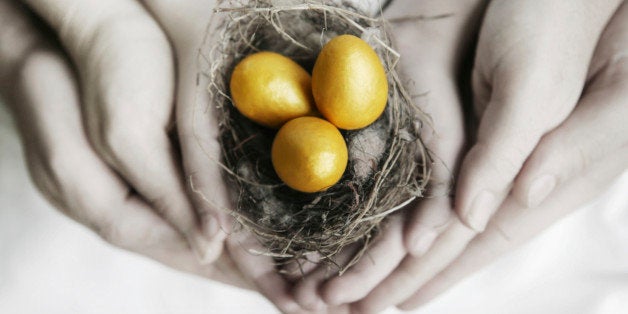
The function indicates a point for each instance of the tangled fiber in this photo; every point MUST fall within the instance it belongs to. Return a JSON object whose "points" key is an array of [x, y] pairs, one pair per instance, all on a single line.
{"points": [[388, 164]]}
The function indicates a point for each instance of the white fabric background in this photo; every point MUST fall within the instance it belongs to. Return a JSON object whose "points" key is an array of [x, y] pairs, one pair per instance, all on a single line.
{"points": [[49, 264]]}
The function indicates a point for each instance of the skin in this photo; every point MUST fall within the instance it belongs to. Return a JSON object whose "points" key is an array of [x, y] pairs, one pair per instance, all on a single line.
{"points": [[595, 129], [38, 83], [432, 70], [523, 91], [61, 177], [514, 79], [119, 49], [557, 151]]}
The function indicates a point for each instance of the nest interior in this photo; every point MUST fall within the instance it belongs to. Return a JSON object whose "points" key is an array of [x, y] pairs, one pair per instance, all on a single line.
{"points": [[388, 164]]}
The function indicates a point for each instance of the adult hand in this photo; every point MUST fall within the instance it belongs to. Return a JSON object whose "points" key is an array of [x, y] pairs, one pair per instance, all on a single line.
{"points": [[126, 74], [185, 23], [412, 272], [592, 142], [39, 85], [432, 57], [593, 133], [530, 69]]}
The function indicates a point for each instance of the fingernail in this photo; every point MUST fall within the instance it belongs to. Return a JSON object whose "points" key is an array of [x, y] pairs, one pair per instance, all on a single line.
{"points": [[539, 190], [481, 211], [422, 242]]}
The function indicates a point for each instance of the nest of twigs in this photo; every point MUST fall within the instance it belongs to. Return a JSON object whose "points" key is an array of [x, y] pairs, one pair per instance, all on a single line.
{"points": [[388, 164]]}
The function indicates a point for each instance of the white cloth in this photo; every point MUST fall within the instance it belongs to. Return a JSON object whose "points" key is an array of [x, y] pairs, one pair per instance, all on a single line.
{"points": [[50, 264]]}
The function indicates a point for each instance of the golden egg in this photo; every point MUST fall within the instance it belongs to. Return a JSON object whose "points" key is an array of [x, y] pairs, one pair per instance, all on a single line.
{"points": [[349, 83], [309, 154], [271, 89]]}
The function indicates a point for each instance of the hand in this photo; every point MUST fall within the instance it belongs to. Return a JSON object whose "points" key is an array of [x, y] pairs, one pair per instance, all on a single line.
{"points": [[530, 69], [433, 53], [413, 272], [126, 72], [515, 222], [588, 151], [43, 92], [185, 23]]}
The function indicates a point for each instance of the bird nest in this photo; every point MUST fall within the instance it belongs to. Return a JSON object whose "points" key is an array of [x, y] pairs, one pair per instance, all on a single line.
{"points": [[388, 164]]}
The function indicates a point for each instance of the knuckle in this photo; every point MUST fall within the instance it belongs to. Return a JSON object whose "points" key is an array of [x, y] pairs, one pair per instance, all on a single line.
{"points": [[544, 154], [114, 139], [60, 173], [145, 238], [30, 66], [163, 205], [126, 236], [502, 169], [104, 30], [613, 72], [408, 275], [582, 159], [558, 155], [120, 91], [619, 62], [175, 209], [503, 160], [118, 141], [111, 233], [47, 185]]}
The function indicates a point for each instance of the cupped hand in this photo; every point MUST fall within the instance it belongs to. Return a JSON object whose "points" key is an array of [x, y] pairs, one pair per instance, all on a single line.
{"points": [[530, 69], [433, 39], [185, 23], [126, 75], [413, 272], [592, 141], [42, 90], [588, 152]]}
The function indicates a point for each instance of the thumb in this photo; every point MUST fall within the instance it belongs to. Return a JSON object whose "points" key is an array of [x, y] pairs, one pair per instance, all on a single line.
{"points": [[531, 78], [125, 64], [197, 124]]}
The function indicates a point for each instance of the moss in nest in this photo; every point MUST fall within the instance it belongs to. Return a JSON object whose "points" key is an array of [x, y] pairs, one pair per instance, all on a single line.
{"points": [[388, 164]]}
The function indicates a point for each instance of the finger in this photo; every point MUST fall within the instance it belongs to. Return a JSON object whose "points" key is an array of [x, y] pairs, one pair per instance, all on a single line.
{"points": [[601, 104], [127, 75], [596, 129], [432, 217], [71, 175], [575, 141], [60, 158], [533, 90], [413, 272], [46, 109], [18, 37], [381, 259], [430, 69], [433, 214], [514, 224], [197, 124], [433, 70], [306, 292], [260, 270], [298, 269]]}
